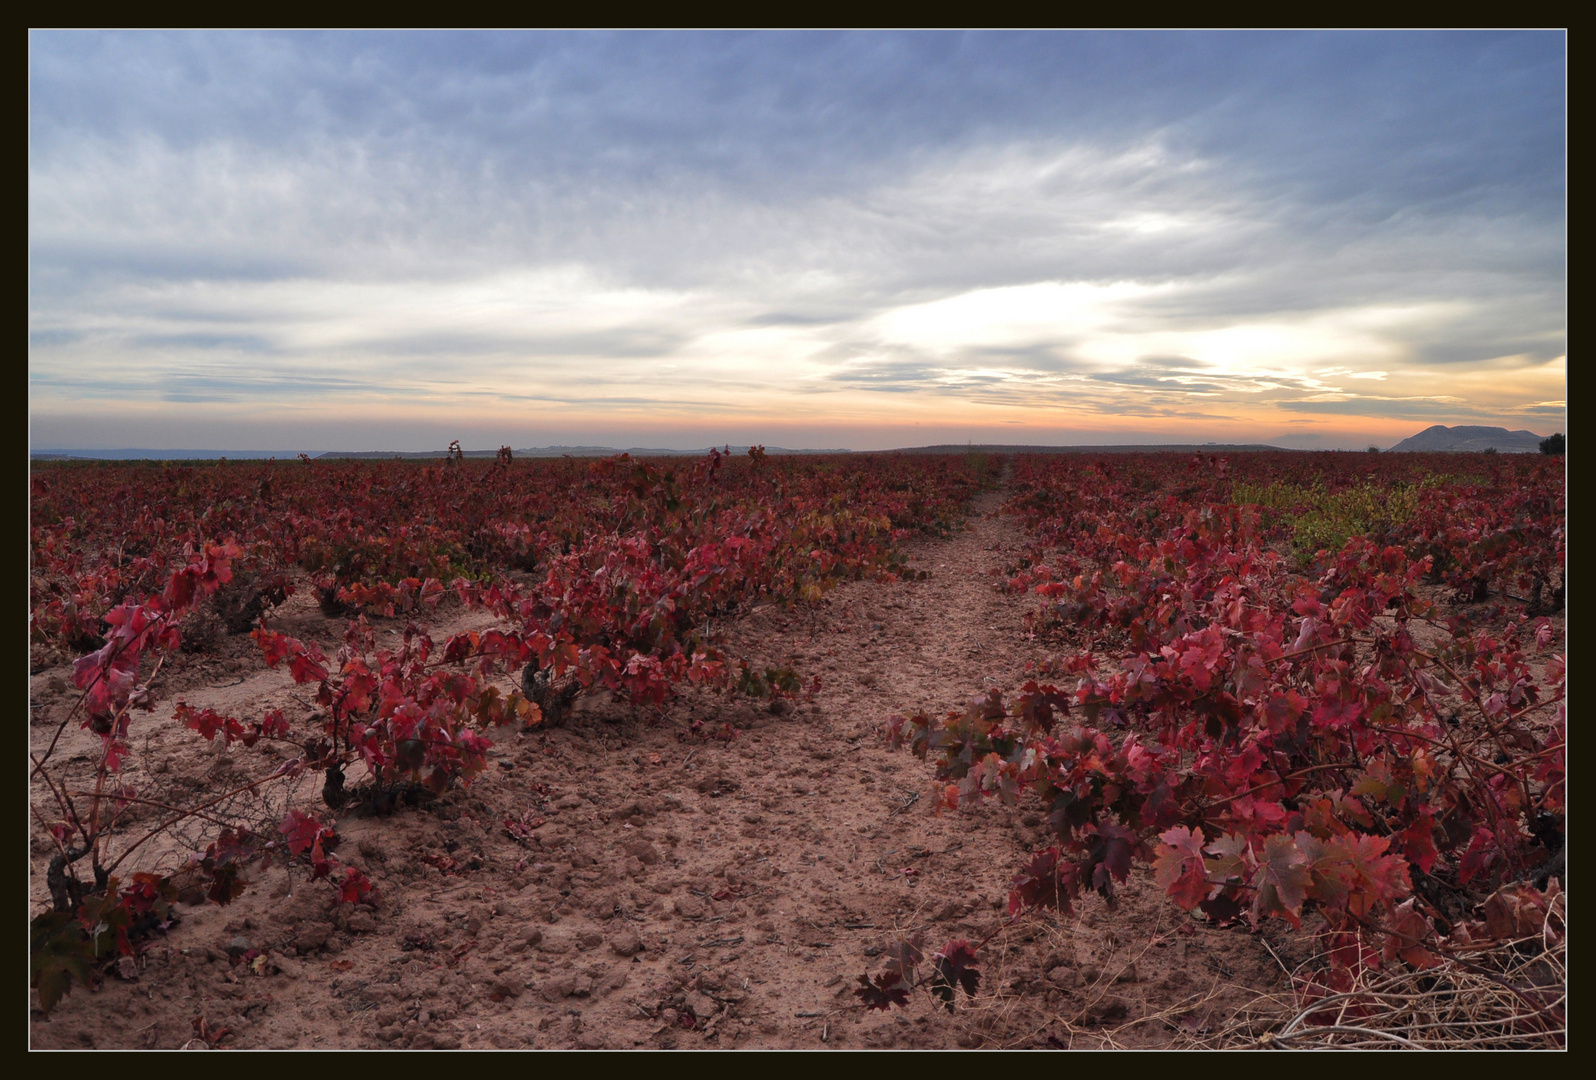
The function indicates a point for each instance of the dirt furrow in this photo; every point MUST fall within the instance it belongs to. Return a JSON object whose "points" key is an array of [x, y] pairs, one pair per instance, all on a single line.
{"points": [[720, 876]]}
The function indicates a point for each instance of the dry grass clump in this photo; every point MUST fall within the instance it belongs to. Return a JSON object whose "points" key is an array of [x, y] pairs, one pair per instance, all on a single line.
{"points": [[1500, 995], [1496, 994], [1509, 995], [1107, 1006]]}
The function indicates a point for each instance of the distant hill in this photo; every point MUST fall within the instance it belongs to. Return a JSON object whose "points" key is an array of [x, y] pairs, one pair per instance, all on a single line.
{"points": [[159, 455], [561, 451], [1441, 438], [1150, 448], [136, 454], [387, 455]]}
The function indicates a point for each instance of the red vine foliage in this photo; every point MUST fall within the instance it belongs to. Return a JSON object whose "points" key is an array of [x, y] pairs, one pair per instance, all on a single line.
{"points": [[1279, 740], [606, 577]]}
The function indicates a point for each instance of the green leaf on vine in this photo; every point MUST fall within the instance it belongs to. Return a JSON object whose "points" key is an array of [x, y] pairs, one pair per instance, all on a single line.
{"points": [[60, 953]]}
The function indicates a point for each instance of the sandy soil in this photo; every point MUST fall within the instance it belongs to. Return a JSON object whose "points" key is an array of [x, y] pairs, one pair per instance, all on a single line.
{"points": [[681, 889]]}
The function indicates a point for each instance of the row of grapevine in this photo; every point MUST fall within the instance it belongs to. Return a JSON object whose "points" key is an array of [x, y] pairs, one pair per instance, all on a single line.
{"points": [[602, 577], [1336, 729]]}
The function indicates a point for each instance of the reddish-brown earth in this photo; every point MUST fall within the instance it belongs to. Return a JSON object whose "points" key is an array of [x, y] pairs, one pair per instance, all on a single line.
{"points": [[683, 889]]}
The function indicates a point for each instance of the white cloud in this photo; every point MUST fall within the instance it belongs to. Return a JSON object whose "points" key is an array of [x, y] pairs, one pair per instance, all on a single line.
{"points": [[1042, 313], [350, 219]]}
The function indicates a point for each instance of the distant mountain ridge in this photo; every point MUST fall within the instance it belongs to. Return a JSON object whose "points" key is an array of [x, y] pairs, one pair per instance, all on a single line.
{"points": [[563, 451], [1432, 439], [1441, 438], [1099, 448], [635, 451], [387, 455], [141, 454]]}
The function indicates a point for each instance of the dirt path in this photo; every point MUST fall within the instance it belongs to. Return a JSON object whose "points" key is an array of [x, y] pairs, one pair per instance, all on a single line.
{"points": [[680, 888]]}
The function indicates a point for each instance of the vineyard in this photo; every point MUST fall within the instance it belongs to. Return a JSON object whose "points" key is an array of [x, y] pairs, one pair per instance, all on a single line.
{"points": [[863, 750]]}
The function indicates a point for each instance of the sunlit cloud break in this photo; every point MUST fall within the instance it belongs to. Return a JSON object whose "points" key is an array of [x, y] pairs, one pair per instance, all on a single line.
{"points": [[860, 239]]}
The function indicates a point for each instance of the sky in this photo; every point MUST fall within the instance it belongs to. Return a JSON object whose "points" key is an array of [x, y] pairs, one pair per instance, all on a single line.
{"points": [[364, 241]]}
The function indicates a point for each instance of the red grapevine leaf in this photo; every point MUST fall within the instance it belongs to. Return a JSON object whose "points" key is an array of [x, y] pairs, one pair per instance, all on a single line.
{"points": [[275, 725], [1331, 869], [227, 883], [355, 888], [59, 955], [1418, 843], [955, 966], [115, 751], [1232, 858], [304, 669], [904, 956], [301, 830], [1118, 844], [1180, 868], [1049, 880], [1281, 880], [206, 721], [274, 646], [885, 991], [1407, 930]]}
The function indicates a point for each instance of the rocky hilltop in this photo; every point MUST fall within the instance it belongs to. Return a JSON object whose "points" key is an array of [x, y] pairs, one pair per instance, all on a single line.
{"points": [[1443, 438]]}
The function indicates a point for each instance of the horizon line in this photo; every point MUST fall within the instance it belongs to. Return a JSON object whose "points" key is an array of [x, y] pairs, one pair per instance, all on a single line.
{"points": [[587, 450]]}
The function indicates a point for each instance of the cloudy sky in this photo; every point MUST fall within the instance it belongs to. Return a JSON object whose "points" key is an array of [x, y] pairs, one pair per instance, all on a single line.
{"points": [[386, 241]]}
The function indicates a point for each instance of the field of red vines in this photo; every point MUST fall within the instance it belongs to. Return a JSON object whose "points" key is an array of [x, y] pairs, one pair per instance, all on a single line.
{"points": [[870, 750]]}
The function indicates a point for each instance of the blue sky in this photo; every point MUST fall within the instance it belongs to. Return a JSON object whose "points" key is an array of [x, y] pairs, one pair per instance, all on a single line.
{"points": [[385, 241]]}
